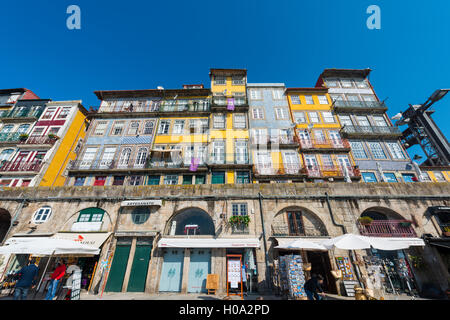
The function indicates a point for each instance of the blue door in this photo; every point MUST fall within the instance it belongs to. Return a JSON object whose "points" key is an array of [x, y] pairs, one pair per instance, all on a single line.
{"points": [[199, 268], [172, 271]]}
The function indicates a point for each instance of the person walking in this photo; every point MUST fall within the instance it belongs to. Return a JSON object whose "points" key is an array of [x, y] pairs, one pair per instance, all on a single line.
{"points": [[313, 288], [56, 276], [27, 278]]}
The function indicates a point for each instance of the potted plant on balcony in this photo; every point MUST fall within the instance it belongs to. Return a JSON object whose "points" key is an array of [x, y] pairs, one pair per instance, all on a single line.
{"points": [[365, 221], [23, 137], [238, 220], [53, 136], [446, 232]]}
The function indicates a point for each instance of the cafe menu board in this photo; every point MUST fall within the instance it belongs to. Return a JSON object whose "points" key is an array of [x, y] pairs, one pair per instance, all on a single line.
{"points": [[234, 272]]}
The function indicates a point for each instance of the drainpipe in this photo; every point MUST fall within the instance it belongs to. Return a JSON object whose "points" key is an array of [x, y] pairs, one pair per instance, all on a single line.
{"points": [[266, 258], [16, 216], [344, 230]]}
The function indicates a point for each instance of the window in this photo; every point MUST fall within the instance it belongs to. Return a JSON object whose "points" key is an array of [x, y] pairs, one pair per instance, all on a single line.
{"points": [[25, 183], [141, 157], [239, 209], [328, 117], [148, 127], [281, 113], [358, 150], [218, 151], [258, 113], [314, 117], [309, 99], [363, 121], [139, 215], [379, 121], [219, 121], [135, 180], [291, 162], [100, 128], [220, 80], [49, 113], [277, 94], [99, 181], [178, 127], [439, 176], [8, 128], [332, 83], [361, 83], [369, 177], [241, 151], [218, 177], [124, 157], [37, 132], [117, 129], [299, 117], [242, 177], [255, 94], [171, 180], [323, 99], [295, 100], [336, 97], [164, 127], [54, 130], [88, 157], [395, 150], [6, 154], [23, 128], [295, 223], [239, 121], [91, 215], [408, 177], [346, 83], [153, 180], [327, 162], [390, 177], [187, 179], [118, 180], [133, 129], [346, 121], [79, 181], [377, 150], [238, 80], [42, 215], [64, 113]]}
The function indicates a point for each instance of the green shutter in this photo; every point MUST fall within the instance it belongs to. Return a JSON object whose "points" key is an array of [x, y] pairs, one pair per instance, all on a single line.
{"points": [[201, 179], [187, 179], [218, 178], [91, 212], [153, 180]]}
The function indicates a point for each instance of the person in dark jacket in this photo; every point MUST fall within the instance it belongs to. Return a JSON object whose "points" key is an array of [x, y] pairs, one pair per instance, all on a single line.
{"points": [[313, 288], [27, 278]]}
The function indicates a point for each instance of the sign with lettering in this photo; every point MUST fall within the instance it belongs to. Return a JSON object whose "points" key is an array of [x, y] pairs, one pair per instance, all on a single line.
{"points": [[234, 271], [141, 203], [76, 286]]}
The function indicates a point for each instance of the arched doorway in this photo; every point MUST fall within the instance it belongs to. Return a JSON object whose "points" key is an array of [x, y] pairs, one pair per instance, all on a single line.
{"points": [[5, 223], [191, 221]]}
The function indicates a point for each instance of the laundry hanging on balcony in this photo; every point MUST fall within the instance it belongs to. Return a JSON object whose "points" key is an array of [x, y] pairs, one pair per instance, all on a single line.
{"points": [[194, 164], [230, 104]]}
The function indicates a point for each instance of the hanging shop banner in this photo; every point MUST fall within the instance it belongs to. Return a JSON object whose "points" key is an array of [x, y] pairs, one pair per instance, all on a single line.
{"points": [[141, 203], [76, 286]]}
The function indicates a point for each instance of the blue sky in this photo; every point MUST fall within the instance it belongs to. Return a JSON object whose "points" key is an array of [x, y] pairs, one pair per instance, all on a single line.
{"points": [[142, 44]]}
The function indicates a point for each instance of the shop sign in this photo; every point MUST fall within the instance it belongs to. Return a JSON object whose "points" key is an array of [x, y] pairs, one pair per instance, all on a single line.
{"points": [[141, 203], [234, 272], [76, 286]]}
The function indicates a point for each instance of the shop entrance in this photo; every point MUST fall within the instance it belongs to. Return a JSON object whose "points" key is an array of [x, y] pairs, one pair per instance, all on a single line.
{"points": [[199, 268], [119, 266], [138, 275], [172, 271], [249, 264], [5, 222], [320, 264]]}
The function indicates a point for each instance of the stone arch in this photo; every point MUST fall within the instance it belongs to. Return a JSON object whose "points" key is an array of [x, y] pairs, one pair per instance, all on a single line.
{"points": [[381, 213], [74, 217], [5, 223], [193, 216], [307, 223]]}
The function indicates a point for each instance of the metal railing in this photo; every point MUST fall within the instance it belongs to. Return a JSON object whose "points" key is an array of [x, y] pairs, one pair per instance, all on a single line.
{"points": [[387, 228], [275, 139], [360, 104], [324, 144], [331, 171], [23, 113], [371, 130], [239, 101], [284, 230], [159, 107], [286, 169], [39, 140], [240, 229], [21, 166]]}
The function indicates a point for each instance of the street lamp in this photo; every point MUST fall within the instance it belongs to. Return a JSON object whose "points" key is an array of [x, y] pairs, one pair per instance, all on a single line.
{"points": [[438, 95]]}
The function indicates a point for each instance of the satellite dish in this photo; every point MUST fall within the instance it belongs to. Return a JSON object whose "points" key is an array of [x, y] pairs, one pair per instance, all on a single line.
{"points": [[398, 116], [160, 88]]}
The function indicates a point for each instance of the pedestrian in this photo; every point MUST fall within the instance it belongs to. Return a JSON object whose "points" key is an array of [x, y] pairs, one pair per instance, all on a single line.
{"points": [[56, 276], [27, 278], [313, 288]]}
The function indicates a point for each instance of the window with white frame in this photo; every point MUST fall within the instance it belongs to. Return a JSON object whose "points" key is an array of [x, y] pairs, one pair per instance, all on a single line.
{"points": [[379, 121], [241, 151], [309, 99], [277, 94], [219, 121], [258, 113], [148, 127], [377, 150], [133, 129], [395, 150], [336, 97], [171, 180], [164, 127], [358, 150], [239, 209], [314, 117], [178, 127], [346, 121], [323, 99], [332, 83], [363, 121], [49, 113], [361, 83], [238, 80], [300, 117], [100, 128], [295, 99], [117, 129], [328, 117], [281, 113], [64, 112], [42, 215], [327, 162], [346, 83], [239, 121], [255, 94], [220, 80]]}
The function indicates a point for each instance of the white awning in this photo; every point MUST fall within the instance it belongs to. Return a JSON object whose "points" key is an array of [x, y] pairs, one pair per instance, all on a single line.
{"points": [[208, 243], [89, 239], [395, 243], [302, 244], [283, 242]]}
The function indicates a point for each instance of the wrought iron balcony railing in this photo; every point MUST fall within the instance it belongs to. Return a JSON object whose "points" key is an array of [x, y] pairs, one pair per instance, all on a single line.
{"points": [[362, 105], [22, 113], [159, 107], [331, 171], [43, 140], [269, 170], [21, 166], [325, 144], [281, 140], [371, 131], [284, 230], [387, 228]]}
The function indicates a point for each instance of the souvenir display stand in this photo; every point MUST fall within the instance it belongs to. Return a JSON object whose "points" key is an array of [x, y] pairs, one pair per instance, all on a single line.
{"points": [[234, 276], [291, 276]]}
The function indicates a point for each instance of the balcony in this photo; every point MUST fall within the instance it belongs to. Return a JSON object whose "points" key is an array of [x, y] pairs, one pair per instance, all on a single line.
{"points": [[336, 172], [267, 170], [240, 229], [285, 231], [21, 114], [283, 141], [38, 141], [221, 104], [359, 106], [326, 145], [228, 159], [22, 166], [370, 132], [386, 228]]}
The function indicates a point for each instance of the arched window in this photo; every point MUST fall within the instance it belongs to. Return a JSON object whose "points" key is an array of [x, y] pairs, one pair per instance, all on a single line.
{"points": [[42, 215], [375, 215], [23, 128], [140, 215], [91, 215], [6, 154], [192, 221], [125, 157], [141, 157]]}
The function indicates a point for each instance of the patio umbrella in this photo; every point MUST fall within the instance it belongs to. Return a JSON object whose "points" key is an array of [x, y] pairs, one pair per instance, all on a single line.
{"points": [[304, 244], [348, 242]]}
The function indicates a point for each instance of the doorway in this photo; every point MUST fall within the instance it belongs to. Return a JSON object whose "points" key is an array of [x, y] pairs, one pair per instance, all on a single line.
{"points": [[119, 266], [139, 269], [199, 268], [172, 271], [320, 264]]}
